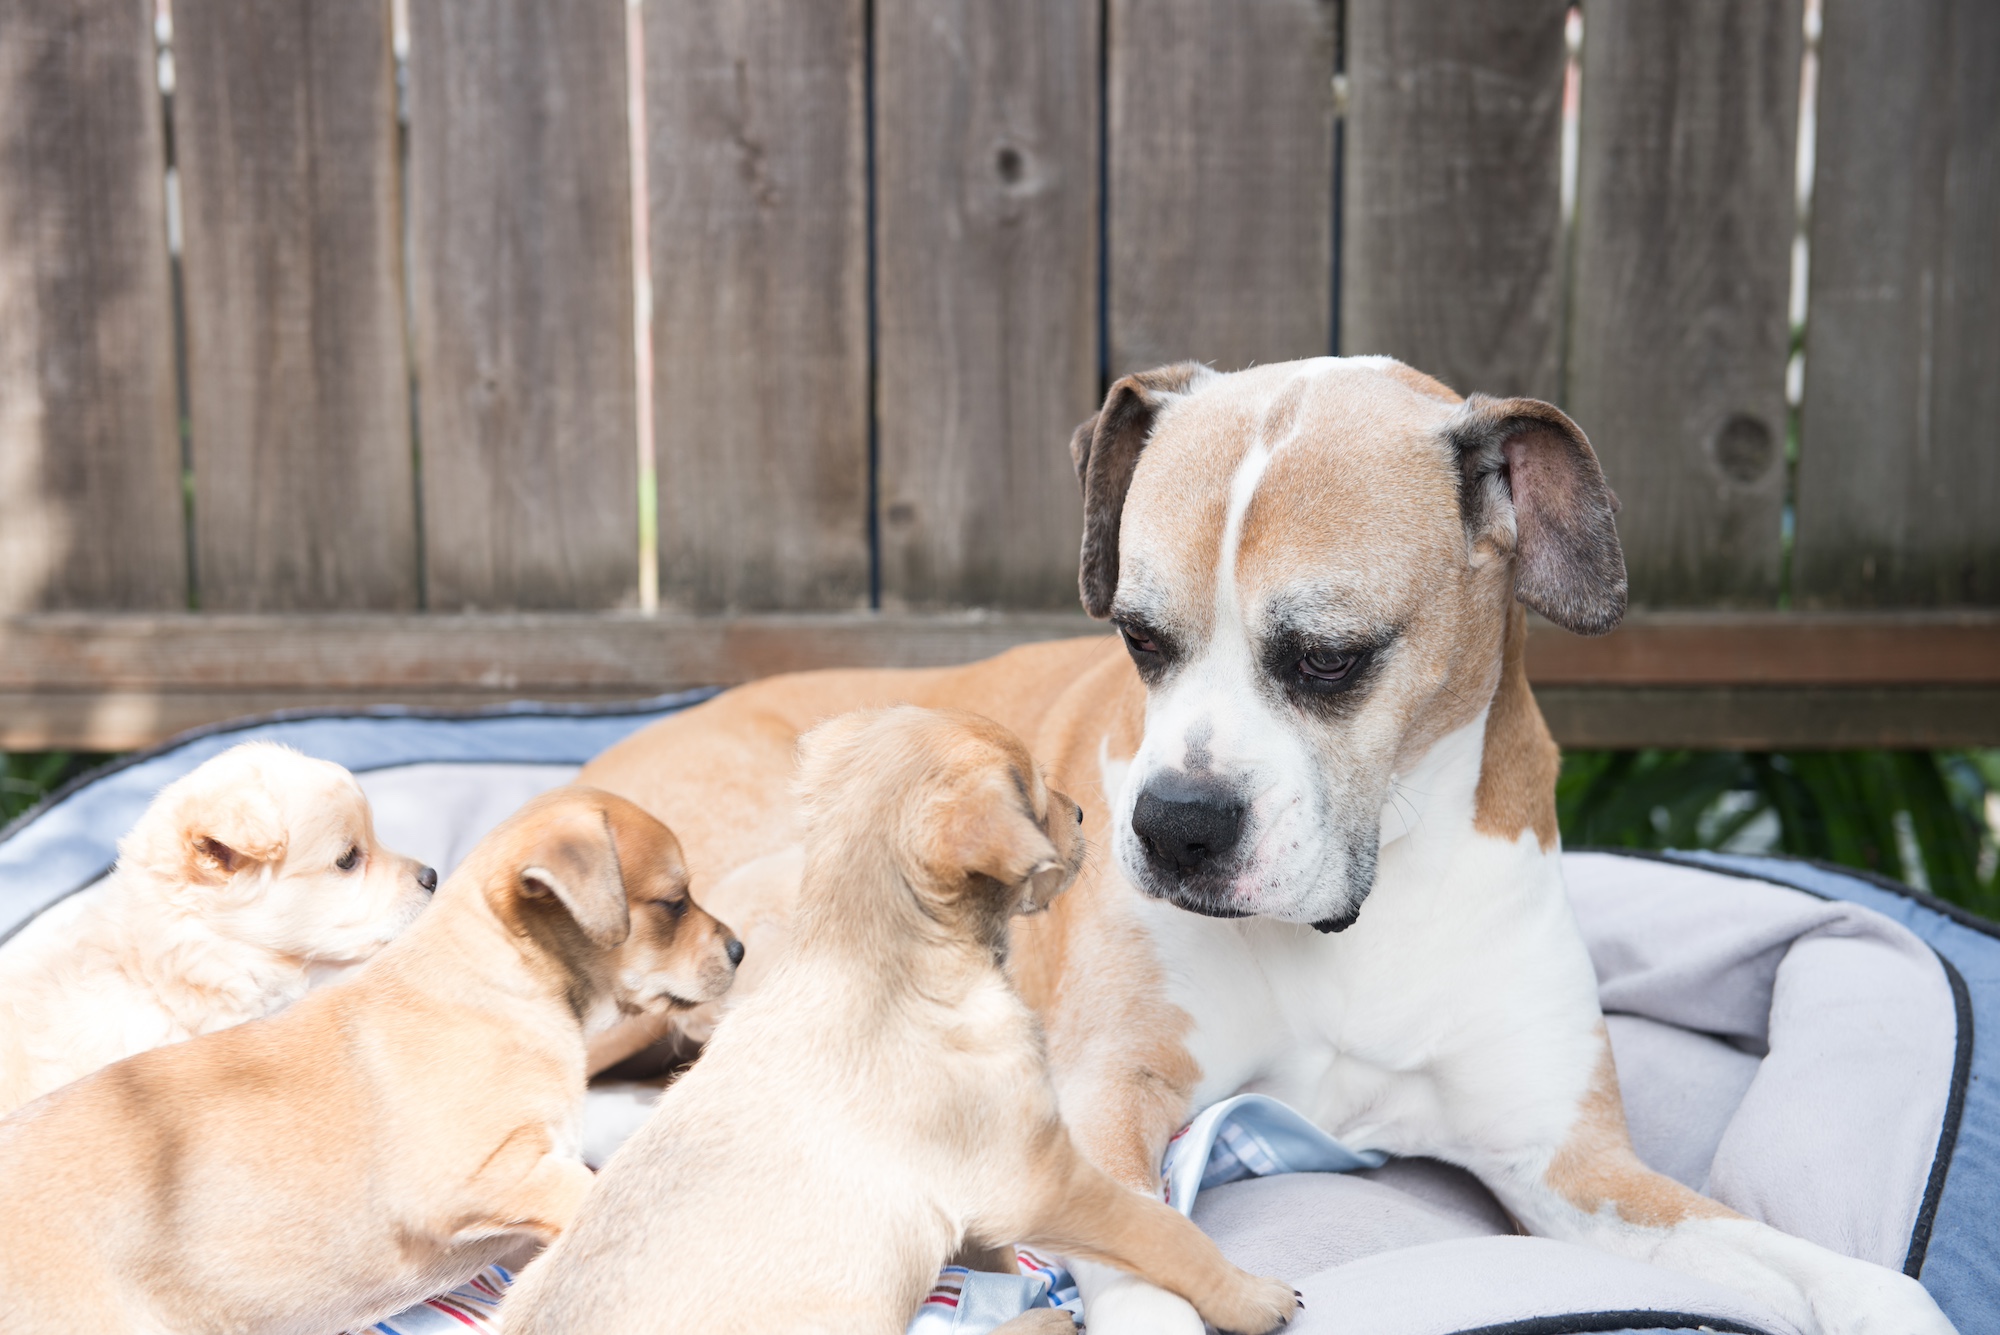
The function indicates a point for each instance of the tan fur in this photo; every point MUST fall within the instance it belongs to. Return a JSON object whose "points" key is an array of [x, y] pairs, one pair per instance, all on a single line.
{"points": [[885, 1097], [383, 1138], [1520, 762], [226, 900], [1597, 1167]]}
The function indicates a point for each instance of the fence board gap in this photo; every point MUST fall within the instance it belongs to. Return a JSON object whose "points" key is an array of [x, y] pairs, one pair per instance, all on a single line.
{"points": [[760, 313], [285, 127], [987, 195], [522, 289], [1685, 217], [1221, 180], [1899, 458], [90, 487], [1452, 240]]}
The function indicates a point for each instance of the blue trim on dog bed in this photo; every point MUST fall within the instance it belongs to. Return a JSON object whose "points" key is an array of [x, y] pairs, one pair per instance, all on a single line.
{"points": [[1956, 1253], [71, 838]]}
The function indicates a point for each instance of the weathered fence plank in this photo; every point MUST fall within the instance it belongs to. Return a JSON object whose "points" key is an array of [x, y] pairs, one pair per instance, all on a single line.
{"points": [[986, 169], [758, 166], [90, 500], [298, 383], [1685, 217], [1221, 180], [522, 289], [1899, 455], [1451, 228]]}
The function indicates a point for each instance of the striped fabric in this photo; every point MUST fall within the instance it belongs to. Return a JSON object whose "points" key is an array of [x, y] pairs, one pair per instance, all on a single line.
{"points": [[473, 1305]]}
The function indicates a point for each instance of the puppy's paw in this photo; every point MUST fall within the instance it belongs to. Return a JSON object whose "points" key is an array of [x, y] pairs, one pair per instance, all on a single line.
{"points": [[1041, 1321], [1253, 1305]]}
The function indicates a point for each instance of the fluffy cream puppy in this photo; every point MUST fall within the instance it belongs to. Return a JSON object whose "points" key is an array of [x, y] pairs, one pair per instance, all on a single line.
{"points": [[240, 881], [383, 1139], [884, 1099]]}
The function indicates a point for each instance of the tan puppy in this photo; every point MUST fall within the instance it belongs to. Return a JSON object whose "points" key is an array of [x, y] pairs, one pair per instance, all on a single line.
{"points": [[884, 1097], [239, 881], [386, 1136]]}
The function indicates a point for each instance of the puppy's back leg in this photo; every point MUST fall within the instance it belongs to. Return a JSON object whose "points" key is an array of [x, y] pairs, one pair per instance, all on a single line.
{"points": [[1081, 1211]]}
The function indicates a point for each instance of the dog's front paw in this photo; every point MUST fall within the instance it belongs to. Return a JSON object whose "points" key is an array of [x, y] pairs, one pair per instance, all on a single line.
{"points": [[1253, 1305], [1127, 1305], [1873, 1300], [1041, 1321]]}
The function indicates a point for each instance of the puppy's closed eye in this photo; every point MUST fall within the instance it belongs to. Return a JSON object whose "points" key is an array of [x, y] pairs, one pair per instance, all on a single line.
{"points": [[676, 908], [349, 860]]}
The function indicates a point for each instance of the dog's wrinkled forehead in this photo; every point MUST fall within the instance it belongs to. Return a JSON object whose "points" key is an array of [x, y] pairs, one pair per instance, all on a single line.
{"points": [[1326, 482]]}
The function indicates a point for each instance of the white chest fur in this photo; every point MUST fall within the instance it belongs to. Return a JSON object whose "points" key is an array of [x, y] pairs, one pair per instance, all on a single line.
{"points": [[1459, 1011]]}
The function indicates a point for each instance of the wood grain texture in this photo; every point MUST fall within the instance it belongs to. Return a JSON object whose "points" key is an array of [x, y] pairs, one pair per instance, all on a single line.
{"points": [[1685, 217], [1774, 649], [1451, 234], [1221, 180], [90, 499], [109, 682], [522, 289], [986, 186], [298, 383], [1899, 458], [757, 159]]}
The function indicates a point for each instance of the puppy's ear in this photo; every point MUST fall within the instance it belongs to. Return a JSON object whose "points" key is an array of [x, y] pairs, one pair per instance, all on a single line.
{"points": [[1106, 450], [989, 829], [1530, 484], [229, 830], [574, 861]]}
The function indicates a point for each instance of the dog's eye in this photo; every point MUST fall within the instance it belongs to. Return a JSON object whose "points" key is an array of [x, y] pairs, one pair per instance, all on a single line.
{"points": [[350, 859], [1323, 667], [675, 908], [1138, 639]]}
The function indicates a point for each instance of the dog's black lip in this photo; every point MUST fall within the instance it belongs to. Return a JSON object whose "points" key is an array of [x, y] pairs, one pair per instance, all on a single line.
{"points": [[1196, 903]]}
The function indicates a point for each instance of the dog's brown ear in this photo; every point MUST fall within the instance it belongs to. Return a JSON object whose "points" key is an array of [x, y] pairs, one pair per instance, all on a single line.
{"points": [[1530, 483], [223, 833], [987, 828], [1106, 450], [574, 860]]}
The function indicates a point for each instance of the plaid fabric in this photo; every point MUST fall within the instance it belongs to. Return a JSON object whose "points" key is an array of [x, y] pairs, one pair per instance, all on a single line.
{"points": [[473, 1305]]}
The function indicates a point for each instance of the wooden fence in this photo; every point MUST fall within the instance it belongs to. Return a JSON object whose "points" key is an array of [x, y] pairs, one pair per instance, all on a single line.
{"points": [[393, 357]]}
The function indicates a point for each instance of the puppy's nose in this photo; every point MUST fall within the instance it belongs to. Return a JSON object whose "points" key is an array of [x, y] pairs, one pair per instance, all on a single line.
{"points": [[1185, 825], [735, 952], [427, 877]]}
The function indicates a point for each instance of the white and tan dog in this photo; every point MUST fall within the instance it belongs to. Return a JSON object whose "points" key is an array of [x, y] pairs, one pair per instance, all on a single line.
{"points": [[1330, 797], [384, 1138], [240, 881]]}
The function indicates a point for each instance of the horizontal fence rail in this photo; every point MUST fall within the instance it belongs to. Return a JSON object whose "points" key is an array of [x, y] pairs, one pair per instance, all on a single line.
{"points": [[318, 312]]}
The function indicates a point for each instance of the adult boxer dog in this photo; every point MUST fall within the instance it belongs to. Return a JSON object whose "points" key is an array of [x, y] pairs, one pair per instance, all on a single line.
{"points": [[1330, 802]]}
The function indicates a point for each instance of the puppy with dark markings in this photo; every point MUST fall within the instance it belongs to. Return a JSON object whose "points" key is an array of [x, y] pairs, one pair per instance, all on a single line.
{"points": [[384, 1138], [883, 1099]]}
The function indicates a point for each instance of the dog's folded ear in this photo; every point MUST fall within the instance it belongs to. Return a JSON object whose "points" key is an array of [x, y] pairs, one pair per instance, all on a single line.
{"points": [[1530, 485], [574, 861], [987, 829], [227, 832], [1106, 450]]}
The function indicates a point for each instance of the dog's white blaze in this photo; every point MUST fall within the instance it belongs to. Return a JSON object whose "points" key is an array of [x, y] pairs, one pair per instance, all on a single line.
{"points": [[1293, 866]]}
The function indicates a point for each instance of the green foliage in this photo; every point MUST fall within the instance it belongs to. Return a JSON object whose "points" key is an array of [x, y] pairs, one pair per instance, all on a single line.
{"points": [[1920, 816], [28, 776]]}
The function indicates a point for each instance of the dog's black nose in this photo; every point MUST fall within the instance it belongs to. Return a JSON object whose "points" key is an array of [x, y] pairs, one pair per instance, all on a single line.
{"points": [[1184, 824], [735, 951], [427, 877]]}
